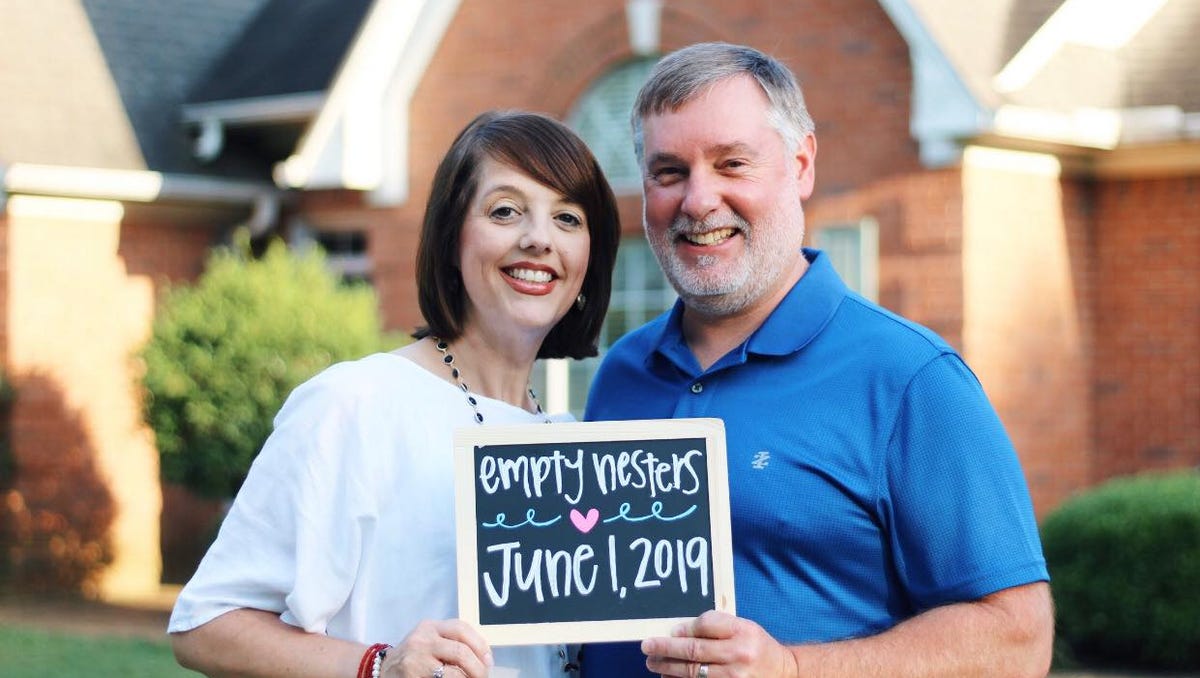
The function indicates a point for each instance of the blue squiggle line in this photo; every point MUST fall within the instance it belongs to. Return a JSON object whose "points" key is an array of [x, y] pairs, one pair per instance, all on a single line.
{"points": [[501, 521], [655, 512]]}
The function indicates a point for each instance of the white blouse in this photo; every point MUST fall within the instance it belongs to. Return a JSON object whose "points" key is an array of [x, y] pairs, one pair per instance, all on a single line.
{"points": [[345, 524]]}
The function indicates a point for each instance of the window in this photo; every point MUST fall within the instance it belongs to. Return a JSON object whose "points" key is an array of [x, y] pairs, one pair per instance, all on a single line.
{"points": [[854, 252], [345, 250], [601, 118], [640, 293]]}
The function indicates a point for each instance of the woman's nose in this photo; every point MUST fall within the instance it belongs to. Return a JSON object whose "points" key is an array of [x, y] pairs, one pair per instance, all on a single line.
{"points": [[536, 237]]}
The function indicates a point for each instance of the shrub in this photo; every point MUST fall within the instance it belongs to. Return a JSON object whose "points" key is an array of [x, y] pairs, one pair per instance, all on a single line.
{"points": [[1124, 561], [225, 353], [8, 465]]}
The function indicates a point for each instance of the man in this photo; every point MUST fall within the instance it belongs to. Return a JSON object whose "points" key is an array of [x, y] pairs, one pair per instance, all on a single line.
{"points": [[881, 522]]}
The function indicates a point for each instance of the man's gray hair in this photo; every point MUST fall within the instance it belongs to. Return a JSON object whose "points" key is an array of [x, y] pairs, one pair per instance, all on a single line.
{"points": [[686, 73]]}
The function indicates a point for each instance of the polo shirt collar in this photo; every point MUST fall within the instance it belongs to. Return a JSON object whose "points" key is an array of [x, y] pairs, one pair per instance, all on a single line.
{"points": [[796, 321]]}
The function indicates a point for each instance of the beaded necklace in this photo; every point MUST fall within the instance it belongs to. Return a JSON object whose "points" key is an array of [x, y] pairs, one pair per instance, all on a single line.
{"points": [[448, 359]]}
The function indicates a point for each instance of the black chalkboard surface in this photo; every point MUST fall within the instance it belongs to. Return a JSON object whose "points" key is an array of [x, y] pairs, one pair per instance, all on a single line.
{"points": [[591, 531]]}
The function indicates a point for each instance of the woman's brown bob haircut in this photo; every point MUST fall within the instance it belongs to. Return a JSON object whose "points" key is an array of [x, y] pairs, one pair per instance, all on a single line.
{"points": [[550, 154]]}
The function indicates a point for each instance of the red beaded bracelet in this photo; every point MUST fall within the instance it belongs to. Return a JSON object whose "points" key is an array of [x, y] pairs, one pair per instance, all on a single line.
{"points": [[368, 659]]}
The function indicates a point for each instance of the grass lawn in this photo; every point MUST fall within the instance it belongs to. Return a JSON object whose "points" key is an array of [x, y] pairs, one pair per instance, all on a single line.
{"points": [[28, 653]]}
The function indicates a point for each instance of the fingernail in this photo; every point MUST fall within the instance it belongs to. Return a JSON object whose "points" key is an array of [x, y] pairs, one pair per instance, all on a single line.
{"points": [[489, 660]]}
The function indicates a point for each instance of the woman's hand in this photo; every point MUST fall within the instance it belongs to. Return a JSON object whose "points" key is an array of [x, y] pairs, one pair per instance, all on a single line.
{"points": [[448, 648]]}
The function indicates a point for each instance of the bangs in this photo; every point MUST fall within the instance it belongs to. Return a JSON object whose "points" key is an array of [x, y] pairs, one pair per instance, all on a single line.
{"points": [[559, 161]]}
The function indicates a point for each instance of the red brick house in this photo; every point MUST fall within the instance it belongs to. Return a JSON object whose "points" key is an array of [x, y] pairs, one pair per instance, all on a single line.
{"points": [[1023, 176]]}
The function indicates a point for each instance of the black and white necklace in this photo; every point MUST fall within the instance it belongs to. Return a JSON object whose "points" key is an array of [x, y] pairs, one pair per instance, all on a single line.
{"points": [[448, 359]]}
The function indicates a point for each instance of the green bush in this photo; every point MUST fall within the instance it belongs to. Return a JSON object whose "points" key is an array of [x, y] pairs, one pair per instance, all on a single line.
{"points": [[226, 352], [1124, 561]]}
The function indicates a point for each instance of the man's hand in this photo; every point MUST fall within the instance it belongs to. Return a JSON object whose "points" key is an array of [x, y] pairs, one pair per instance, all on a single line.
{"points": [[724, 645], [1006, 633]]}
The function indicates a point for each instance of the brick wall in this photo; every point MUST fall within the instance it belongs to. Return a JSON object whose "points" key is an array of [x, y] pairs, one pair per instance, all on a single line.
{"points": [[920, 231], [81, 285], [1060, 321], [1147, 319], [1025, 329], [849, 58]]}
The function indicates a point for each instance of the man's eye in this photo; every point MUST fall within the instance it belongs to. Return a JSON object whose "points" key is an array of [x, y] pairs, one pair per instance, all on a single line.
{"points": [[665, 175]]}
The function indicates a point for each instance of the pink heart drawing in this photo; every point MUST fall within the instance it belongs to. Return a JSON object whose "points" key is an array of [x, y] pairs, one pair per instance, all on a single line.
{"points": [[583, 524]]}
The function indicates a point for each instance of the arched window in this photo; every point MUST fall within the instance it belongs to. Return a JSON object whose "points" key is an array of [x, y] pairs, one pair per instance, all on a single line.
{"points": [[601, 117], [640, 291]]}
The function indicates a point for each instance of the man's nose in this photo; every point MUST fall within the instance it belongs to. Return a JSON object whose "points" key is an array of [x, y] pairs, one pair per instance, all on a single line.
{"points": [[701, 196]]}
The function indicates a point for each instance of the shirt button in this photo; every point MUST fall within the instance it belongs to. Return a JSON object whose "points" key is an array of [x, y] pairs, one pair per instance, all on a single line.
{"points": [[697, 387], [562, 653]]}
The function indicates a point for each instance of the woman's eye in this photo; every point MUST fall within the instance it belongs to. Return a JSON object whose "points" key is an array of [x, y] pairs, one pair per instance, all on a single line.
{"points": [[572, 220], [503, 212]]}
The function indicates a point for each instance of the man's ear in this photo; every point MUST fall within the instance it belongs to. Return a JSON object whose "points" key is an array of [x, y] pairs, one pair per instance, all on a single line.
{"points": [[806, 165]]}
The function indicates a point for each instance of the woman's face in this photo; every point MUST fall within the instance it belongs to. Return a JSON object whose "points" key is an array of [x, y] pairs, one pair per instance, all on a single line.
{"points": [[523, 252]]}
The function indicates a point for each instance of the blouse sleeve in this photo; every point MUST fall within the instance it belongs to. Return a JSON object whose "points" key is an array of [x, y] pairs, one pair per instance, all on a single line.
{"points": [[291, 542]]}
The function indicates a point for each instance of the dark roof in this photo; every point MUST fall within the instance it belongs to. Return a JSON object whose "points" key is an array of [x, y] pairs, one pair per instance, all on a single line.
{"points": [[1155, 67], [156, 50], [99, 83], [291, 47], [102, 83], [980, 36], [1161, 60]]}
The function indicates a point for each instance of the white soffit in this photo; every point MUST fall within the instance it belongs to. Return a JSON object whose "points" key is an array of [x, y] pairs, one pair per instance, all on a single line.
{"points": [[359, 140], [943, 108], [1100, 128]]}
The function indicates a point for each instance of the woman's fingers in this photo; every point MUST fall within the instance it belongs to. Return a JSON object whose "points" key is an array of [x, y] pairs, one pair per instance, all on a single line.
{"points": [[451, 645], [462, 632]]}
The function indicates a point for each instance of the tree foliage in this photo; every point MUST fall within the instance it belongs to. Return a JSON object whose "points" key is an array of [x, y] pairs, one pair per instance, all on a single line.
{"points": [[226, 352]]}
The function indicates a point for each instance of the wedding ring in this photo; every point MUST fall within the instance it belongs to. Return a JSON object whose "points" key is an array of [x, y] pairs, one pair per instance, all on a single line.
{"points": [[702, 672], [440, 671]]}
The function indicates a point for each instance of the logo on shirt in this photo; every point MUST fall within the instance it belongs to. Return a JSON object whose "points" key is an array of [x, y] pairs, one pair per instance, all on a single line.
{"points": [[761, 459]]}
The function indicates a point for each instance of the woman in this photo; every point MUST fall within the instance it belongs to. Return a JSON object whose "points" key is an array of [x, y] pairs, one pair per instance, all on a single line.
{"points": [[341, 541]]}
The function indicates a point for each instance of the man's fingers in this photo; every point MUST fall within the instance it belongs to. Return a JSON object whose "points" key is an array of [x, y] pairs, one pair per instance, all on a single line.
{"points": [[717, 625]]}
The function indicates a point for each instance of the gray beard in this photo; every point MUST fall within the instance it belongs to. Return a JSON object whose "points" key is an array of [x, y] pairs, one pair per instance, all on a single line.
{"points": [[748, 281]]}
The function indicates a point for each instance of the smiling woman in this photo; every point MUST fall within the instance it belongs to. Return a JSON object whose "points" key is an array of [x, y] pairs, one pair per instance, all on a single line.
{"points": [[545, 153], [341, 541], [524, 252]]}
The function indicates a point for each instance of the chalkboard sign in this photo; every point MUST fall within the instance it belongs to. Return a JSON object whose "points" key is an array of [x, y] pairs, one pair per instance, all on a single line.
{"points": [[592, 531]]}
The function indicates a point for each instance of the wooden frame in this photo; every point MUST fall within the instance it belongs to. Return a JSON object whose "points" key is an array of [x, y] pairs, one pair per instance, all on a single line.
{"points": [[571, 512]]}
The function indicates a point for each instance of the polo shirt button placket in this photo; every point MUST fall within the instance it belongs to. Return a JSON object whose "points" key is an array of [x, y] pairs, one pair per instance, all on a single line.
{"points": [[693, 399]]}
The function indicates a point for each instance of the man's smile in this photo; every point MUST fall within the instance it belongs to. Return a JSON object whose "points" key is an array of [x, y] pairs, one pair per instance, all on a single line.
{"points": [[710, 237]]}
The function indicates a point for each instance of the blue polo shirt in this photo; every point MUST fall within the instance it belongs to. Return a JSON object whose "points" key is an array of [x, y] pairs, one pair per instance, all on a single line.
{"points": [[870, 478]]}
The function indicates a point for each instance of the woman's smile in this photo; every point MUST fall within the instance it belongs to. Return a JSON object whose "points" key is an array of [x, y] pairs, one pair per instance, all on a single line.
{"points": [[524, 250], [531, 278]]}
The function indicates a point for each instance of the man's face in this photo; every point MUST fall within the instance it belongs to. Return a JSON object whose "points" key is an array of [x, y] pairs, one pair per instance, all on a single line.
{"points": [[722, 199]]}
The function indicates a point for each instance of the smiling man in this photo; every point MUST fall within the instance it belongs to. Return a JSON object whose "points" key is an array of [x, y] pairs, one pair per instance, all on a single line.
{"points": [[881, 521]]}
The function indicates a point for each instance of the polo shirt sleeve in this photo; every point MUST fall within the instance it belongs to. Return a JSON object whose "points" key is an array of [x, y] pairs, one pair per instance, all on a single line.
{"points": [[292, 539], [960, 516]]}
